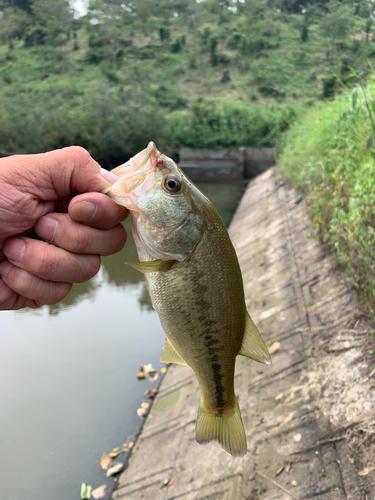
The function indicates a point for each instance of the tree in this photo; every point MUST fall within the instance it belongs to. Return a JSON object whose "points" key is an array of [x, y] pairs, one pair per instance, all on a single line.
{"points": [[14, 22]]}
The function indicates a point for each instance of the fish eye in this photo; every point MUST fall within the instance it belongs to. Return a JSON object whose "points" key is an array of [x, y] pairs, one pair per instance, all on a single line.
{"points": [[172, 184]]}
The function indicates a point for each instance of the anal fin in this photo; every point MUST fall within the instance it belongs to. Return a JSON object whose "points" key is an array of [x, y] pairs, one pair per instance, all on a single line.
{"points": [[152, 266], [170, 355], [253, 345]]}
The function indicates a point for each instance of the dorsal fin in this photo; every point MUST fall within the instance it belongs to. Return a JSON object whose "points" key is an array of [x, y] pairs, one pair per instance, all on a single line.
{"points": [[253, 345]]}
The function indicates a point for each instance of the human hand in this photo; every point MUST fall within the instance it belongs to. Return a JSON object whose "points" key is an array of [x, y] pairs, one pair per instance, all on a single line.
{"points": [[38, 192]]}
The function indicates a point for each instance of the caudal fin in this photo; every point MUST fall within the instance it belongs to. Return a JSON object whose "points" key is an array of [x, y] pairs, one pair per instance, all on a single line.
{"points": [[227, 430]]}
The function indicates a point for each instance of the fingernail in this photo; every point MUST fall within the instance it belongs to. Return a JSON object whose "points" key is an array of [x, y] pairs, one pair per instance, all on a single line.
{"points": [[108, 176], [5, 267], [46, 228], [15, 250], [83, 211]]}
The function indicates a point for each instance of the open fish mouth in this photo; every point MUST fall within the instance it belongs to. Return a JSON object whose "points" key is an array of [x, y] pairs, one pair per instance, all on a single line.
{"points": [[133, 173]]}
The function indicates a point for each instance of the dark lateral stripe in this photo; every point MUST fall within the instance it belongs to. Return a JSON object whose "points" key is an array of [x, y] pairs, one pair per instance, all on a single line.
{"points": [[219, 388]]}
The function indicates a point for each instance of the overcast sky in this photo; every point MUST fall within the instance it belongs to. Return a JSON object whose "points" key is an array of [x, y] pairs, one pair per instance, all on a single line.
{"points": [[80, 6]]}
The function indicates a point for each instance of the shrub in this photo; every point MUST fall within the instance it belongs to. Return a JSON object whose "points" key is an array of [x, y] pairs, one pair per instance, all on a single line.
{"points": [[329, 155]]}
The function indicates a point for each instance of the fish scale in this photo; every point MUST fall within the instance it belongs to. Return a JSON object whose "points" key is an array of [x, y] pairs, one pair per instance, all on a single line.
{"points": [[195, 284]]}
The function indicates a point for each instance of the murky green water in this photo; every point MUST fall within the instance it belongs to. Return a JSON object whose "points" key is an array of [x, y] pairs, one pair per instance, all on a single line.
{"points": [[68, 386]]}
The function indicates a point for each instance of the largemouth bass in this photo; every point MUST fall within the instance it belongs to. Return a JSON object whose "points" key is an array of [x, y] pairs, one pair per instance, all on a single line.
{"points": [[195, 284]]}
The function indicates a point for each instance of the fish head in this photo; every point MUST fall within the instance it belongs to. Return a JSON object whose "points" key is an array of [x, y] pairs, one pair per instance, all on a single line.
{"points": [[166, 207]]}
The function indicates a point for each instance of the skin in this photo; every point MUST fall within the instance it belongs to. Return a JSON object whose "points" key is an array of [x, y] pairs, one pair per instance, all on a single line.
{"points": [[57, 195]]}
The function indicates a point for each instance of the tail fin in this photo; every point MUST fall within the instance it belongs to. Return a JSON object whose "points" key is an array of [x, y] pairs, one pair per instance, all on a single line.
{"points": [[227, 430]]}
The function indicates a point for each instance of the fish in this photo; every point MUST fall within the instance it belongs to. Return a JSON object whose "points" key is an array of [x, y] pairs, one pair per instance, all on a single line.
{"points": [[195, 284]]}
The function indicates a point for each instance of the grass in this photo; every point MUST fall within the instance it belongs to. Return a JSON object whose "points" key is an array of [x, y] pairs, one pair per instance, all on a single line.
{"points": [[329, 155]]}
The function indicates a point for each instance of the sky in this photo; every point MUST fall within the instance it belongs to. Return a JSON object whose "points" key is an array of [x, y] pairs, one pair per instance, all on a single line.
{"points": [[80, 7]]}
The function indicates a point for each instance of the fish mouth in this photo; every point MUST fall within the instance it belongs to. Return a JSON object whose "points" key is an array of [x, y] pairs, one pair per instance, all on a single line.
{"points": [[132, 174]]}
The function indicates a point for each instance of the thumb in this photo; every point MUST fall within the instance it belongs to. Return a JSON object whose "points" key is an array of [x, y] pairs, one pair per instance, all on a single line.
{"points": [[56, 174]]}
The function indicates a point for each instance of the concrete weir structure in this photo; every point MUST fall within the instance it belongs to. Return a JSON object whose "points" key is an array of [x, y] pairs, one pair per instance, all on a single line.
{"points": [[225, 165], [296, 413]]}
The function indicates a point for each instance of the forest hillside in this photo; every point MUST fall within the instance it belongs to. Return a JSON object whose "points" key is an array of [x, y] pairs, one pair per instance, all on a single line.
{"points": [[180, 72]]}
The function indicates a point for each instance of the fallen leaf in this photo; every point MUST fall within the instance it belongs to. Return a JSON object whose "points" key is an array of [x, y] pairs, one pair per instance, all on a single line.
{"points": [[114, 469], [153, 376], [288, 468], [297, 437], [105, 461], [141, 412], [163, 370], [145, 405], [147, 368], [172, 481], [115, 452], [364, 472], [150, 393], [141, 375], [338, 461], [279, 471], [279, 396], [130, 446], [99, 492], [85, 491], [293, 482], [351, 460], [274, 347]]}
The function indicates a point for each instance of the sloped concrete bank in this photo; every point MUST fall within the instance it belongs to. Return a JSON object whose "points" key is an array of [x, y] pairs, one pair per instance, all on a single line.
{"points": [[310, 417]]}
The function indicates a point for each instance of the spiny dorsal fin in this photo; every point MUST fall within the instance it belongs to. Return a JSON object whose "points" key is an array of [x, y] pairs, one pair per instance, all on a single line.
{"points": [[170, 355], [253, 345], [152, 266]]}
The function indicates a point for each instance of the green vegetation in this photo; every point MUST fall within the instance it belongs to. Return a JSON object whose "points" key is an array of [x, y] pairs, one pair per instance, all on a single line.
{"points": [[329, 155], [214, 73]]}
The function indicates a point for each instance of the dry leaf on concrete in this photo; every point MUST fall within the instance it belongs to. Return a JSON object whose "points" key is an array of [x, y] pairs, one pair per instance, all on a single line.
{"points": [[364, 472], [105, 461], [288, 468], [115, 452], [172, 481], [274, 347], [279, 471], [99, 492], [293, 482], [115, 468], [351, 460]]}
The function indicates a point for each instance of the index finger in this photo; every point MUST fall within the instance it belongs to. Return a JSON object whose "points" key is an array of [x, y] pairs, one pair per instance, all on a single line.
{"points": [[96, 210]]}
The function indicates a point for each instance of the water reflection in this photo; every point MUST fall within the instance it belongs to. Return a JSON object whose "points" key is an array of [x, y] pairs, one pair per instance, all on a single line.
{"points": [[68, 386]]}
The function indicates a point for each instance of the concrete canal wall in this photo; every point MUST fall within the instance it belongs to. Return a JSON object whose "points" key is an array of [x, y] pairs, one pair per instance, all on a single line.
{"points": [[309, 417], [225, 165]]}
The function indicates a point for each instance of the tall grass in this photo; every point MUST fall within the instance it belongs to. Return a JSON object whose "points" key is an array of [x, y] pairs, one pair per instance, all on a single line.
{"points": [[329, 154]]}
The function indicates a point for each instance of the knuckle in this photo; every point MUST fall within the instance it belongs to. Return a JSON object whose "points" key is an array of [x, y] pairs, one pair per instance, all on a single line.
{"points": [[53, 293], [116, 241], [90, 269]]}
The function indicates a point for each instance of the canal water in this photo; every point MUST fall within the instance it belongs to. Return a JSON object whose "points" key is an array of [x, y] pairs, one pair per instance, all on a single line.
{"points": [[68, 386]]}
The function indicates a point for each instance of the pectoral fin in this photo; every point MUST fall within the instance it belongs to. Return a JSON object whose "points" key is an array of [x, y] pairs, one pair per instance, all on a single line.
{"points": [[253, 345], [170, 355], [152, 266]]}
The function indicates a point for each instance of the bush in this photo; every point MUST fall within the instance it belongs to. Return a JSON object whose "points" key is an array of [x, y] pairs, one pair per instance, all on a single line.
{"points": [[330, 156], [232, 124]]}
